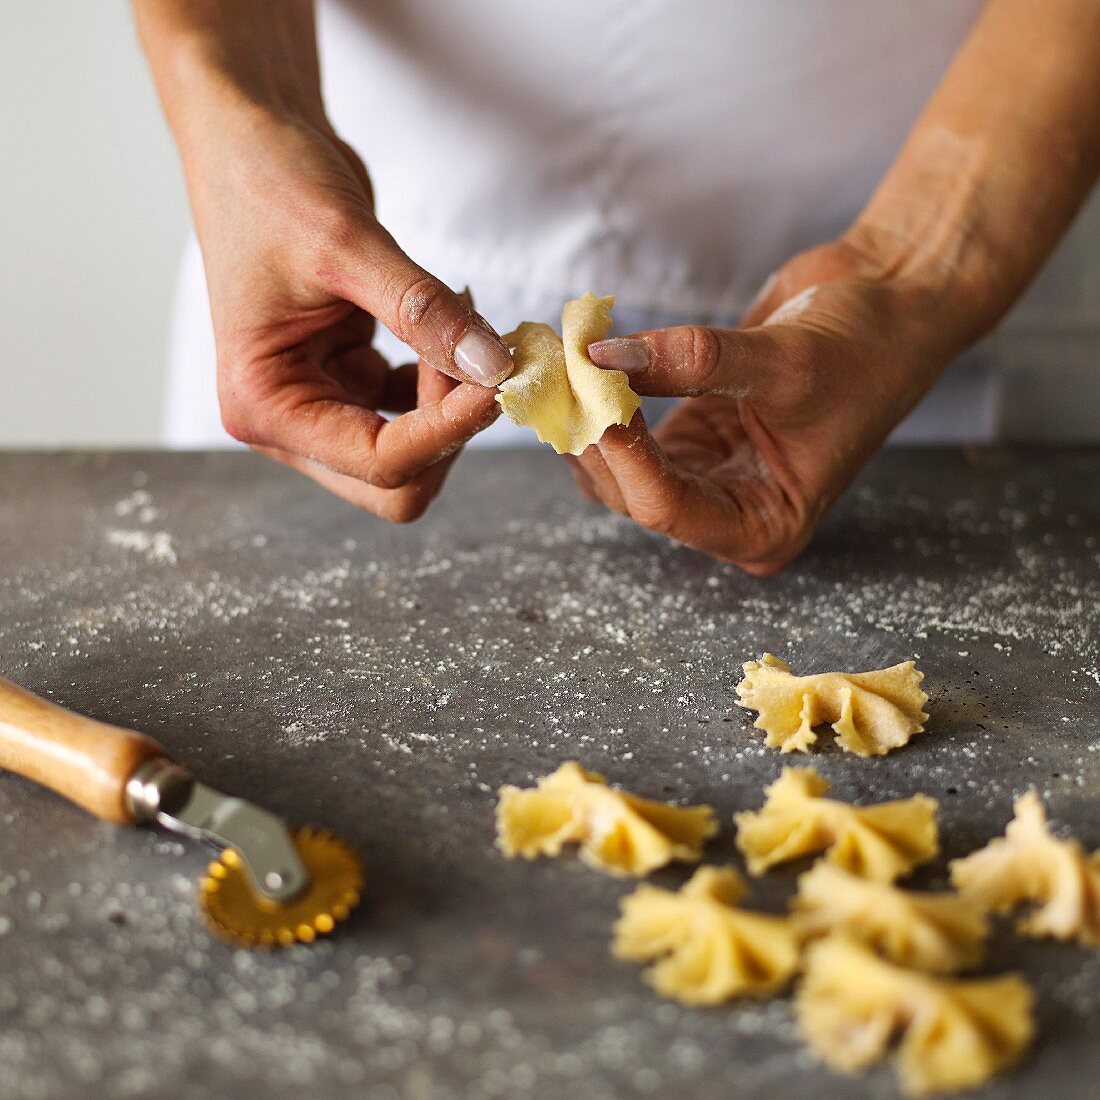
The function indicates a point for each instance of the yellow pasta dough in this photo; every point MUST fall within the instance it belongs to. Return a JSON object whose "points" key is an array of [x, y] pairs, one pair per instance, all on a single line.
{"points": [[1030, 864], [878, 842], [951, 1034], [708, 950], [556, 389], [870, 712], [617, 832], [941, 932]]}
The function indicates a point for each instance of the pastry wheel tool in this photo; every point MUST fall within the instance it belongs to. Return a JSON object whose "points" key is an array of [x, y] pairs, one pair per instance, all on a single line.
{"points": [[271, 886]]}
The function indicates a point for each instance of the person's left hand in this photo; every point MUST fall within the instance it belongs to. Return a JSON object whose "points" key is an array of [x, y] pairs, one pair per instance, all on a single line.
{"points": [[780, 414], [418, 387]]}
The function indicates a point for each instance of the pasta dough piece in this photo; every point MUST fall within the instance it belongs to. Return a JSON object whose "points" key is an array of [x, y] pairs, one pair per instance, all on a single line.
{"points": [[954, 1034], [708, 950], [878, 842], [556, 389], [870, 712], [1030, 864], [618, 832], [940, 932]]}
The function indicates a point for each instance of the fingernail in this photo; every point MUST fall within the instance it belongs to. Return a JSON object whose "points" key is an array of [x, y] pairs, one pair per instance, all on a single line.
{"points": [[625, 353], [483, 358]]}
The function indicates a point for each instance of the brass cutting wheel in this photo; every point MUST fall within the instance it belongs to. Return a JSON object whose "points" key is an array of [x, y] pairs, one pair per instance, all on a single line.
{"points": [[238, 914]]}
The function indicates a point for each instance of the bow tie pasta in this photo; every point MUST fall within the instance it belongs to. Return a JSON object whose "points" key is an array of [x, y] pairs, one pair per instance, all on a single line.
{"points": [[1030, 864], [556, 389], [870, 712], [880, 842], [618, 832], [708, 950], [940, 932], [952, 1034]]}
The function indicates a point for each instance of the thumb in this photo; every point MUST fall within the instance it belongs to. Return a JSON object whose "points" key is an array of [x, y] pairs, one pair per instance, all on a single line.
{"points": [[693, 360], [439, 325]]}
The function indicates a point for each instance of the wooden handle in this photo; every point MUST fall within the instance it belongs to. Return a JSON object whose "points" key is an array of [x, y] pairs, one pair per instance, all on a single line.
{"points": [[88, 762]]}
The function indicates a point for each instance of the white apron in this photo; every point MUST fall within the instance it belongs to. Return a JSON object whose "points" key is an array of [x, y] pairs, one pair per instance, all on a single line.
{"points": [[672, 152]]}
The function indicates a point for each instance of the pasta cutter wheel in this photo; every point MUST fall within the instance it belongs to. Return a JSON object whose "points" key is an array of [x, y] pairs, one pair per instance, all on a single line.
{"points": [[270, 887], [238, 913]]}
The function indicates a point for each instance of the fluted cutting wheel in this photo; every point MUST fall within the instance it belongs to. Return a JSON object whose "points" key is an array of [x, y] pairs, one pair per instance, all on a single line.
{"points": [[238, 914]]}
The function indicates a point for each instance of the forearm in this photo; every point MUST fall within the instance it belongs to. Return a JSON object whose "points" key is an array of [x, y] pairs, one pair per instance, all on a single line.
{"points": [[996, 167], [217, 64]]}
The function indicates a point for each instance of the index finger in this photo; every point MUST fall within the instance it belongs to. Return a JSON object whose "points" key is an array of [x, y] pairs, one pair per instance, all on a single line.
{"points": [[396, 505], [318, 422], [416, 440]]}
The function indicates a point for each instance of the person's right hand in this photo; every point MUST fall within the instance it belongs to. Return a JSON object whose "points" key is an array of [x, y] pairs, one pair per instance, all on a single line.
{"points": [[298, 271], [779, 414]]}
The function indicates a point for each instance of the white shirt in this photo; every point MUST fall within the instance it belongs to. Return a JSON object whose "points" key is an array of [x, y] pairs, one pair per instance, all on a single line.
{"points": [[671, 152]]}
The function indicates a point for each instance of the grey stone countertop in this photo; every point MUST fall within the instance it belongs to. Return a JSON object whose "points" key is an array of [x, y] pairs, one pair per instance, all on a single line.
{"points": [[384, 681]]}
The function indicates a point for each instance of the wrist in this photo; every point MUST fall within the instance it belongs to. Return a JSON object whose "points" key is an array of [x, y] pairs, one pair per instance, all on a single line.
{"points": [[221, 70], [947, 305]]}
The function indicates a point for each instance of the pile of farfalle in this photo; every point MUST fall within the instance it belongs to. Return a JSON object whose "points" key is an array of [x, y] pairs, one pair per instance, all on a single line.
{"points": [[877, 965]]}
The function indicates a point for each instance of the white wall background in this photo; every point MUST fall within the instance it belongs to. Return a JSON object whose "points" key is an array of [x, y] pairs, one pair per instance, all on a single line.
{"points": [[92, 220], [93, 217]]}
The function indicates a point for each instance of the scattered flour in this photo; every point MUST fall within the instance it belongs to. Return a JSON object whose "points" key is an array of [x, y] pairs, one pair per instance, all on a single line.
{"points": [[140, 505], [155, 545], [393, 680]]}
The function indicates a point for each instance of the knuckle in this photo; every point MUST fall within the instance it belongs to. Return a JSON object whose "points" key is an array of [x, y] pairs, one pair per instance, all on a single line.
{"points": [[764, 569], [778, 545], [335, 226], [658, 511], [705, 353], [248, 401], [804, 368], [240, 424], [418, 300], [383, 476], [406, 507], [775, 556]]}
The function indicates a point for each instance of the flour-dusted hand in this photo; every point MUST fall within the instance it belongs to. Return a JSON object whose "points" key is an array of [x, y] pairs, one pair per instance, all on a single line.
{"points": [[299, 269], [844, 340], [779, 415]]}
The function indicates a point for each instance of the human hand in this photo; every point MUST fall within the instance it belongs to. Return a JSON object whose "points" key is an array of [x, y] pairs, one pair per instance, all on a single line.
{"points": [[298, 270], [780, 414]]}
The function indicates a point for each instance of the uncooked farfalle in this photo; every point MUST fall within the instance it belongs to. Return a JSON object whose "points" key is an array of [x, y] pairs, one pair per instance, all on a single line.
{"points": [[556, 389], [708, 950], [951, 1034], [617, 832], [870, 712], [940, 932], [1030, 864], [879, 842]]}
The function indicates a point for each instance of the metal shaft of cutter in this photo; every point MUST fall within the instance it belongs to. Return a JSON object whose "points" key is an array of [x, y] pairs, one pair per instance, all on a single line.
{"points": [[163, 792]]}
